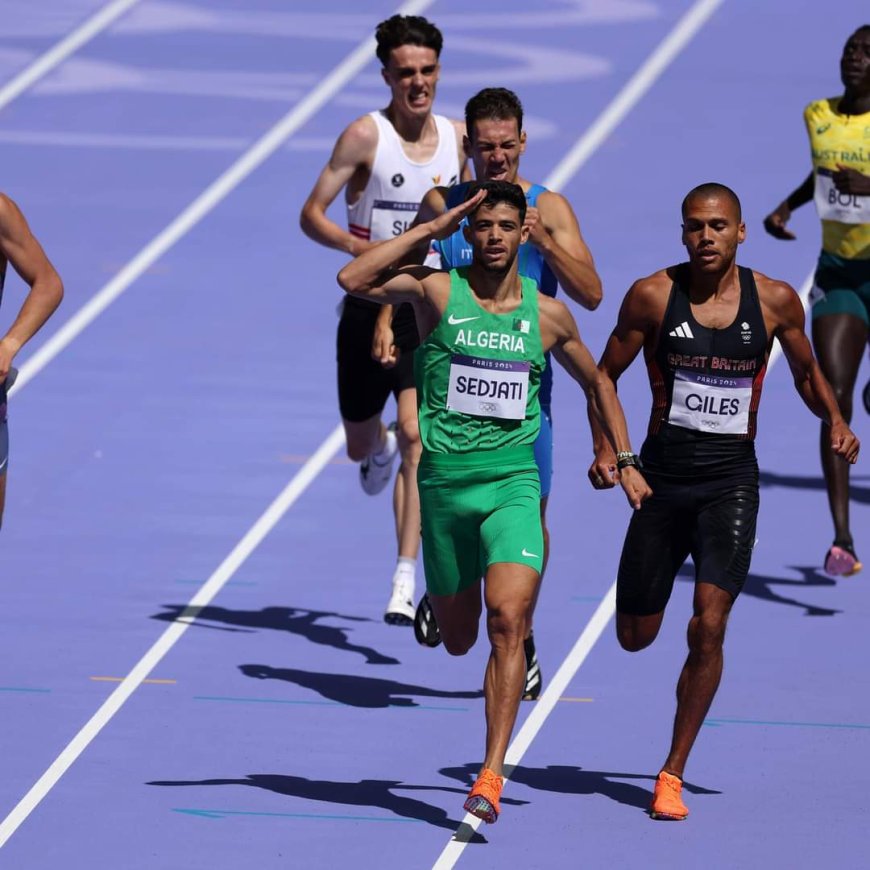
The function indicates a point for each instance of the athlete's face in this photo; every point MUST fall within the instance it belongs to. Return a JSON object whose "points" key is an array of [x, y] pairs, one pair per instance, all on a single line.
{"points": [[495, 148], [712, 230], [412, 76], [855, 62], [495, 233]]}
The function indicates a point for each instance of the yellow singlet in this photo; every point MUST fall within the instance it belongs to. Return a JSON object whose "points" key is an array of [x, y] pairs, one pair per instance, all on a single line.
{"points": [[840, 139]]}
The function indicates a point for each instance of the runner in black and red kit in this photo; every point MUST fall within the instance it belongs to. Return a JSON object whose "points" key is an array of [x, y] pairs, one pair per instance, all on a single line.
{"points": [[706, 329]]}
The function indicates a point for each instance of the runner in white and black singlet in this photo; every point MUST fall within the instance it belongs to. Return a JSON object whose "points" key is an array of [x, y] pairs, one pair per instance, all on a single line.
{"points": [[385, 162], [706, 329]]}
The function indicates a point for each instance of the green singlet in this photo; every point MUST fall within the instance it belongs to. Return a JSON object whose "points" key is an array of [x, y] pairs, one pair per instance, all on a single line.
{"points": [[477, 378]]}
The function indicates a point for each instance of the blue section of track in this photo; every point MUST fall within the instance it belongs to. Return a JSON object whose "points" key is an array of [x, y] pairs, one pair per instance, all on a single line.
{"points": [[295, 728]]}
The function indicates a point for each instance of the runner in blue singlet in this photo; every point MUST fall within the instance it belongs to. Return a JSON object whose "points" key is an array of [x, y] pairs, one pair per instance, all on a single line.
{"points": [[554, 255]]}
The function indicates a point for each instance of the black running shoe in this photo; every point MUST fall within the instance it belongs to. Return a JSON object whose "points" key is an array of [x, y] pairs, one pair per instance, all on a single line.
{"points": [[867, 397], [425, 628], [534, 681]]}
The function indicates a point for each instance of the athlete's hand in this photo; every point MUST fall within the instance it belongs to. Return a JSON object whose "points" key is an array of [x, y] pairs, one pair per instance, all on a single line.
{"points": [[538, 234], [775, 222], [7, 354], [384, 350], [848, 180], [844, 443], [446, 224], [635, 487], [602, 472]]}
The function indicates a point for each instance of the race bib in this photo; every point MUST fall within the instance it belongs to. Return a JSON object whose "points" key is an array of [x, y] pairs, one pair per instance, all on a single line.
{"points": [[488, 387], [711, 403], [845, 208], [391, 218]]}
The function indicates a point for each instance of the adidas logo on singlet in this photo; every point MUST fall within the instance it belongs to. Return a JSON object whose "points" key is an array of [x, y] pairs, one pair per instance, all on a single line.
{"points": [[682, 331]]}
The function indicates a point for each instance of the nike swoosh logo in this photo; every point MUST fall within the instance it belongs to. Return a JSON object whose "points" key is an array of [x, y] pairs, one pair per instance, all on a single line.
{"points": [[529, 555], [455, 321]]}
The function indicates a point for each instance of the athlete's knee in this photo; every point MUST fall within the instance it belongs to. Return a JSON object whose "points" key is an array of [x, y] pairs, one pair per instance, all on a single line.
{"points": [[508, 623], [843, 395], [356, 452], [459, 643], [636, 633], [360, 441], [706, 633], [409, 440]]}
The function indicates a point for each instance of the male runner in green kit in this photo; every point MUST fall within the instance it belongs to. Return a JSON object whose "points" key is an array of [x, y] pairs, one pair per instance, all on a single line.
{"points": [[484, 331]]}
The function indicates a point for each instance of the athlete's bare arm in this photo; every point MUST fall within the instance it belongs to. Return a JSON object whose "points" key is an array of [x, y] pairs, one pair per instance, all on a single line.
{"points": [[560, 335], [384, 350], [775, 222], [348, 167], [640, 316], [374, 275], [784, 316], [555, 232], [19, 246]]}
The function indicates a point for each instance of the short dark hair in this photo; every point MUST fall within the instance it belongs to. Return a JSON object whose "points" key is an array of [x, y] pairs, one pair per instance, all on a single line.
{"points": [[493, 104], [500, 191], [712, 188], [406, 30]]}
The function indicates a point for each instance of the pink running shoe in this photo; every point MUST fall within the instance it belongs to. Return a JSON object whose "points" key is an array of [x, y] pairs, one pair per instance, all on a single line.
{"points": [[842, 562]]}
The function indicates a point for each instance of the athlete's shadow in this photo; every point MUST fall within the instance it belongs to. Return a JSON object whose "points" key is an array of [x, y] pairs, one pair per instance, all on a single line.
{"points": [[759, 586], [859, 494], [296, 620], [564, 779], [352, 690], [378, 793]]}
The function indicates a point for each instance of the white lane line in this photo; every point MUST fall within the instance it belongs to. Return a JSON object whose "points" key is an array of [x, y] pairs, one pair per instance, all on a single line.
{"points": [[285, 500], [254, 536], [575, 658], [633, 91], [215, 193], [58, 53], [585, 147]]}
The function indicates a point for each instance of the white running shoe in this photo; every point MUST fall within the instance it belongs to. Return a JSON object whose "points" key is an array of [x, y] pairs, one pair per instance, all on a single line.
{"points": [[377, 468], [400, 609]]}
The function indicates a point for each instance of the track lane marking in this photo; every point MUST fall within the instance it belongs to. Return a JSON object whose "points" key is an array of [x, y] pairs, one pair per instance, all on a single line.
{"points": [[59, 52]]}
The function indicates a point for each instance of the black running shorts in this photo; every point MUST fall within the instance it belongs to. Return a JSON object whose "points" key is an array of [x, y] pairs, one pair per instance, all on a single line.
{"points": [[712, 520], [364, 385]]}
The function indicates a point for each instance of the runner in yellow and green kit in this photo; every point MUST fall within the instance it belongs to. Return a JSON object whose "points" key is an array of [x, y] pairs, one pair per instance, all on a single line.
{"points": [[839, 132], [484, 332]]}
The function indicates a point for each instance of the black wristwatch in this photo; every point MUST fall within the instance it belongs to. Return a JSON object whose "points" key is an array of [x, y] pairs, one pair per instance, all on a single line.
{"points": [[625, 458]]}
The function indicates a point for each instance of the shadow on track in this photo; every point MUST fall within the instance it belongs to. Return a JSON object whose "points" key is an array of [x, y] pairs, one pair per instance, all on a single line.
{"points": [[352, 690], [296, 620], [858, 494], [759, 586], [564, 779], [377, 793]]}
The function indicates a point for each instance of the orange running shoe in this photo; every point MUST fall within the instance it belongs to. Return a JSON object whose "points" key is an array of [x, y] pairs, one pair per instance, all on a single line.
{"points": [[482, 800], [667, 805]]}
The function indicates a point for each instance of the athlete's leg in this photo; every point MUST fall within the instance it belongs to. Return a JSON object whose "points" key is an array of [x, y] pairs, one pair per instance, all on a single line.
{"points": [[406, 500], [657, 543], [701, 672], [364, 437], [2, 494], [635, 633], [839, 340], [458, 617], [508, 592]]}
